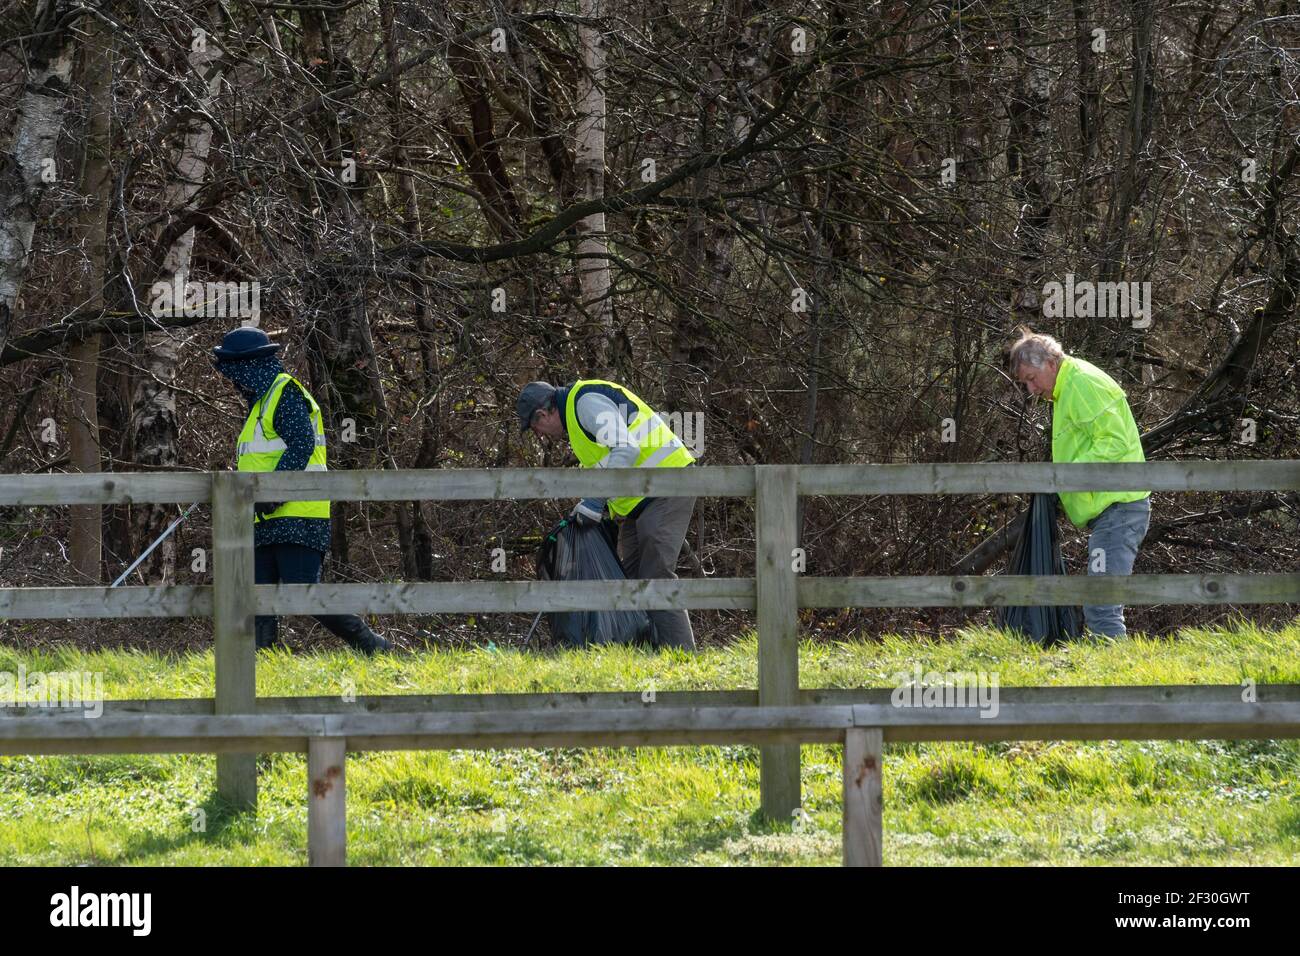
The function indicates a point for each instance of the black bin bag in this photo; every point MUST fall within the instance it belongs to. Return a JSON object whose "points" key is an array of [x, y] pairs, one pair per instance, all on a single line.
{"points": [[574, 552], [1038, 552]]}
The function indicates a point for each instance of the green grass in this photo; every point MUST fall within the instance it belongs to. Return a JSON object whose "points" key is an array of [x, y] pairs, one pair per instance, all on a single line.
{"points": [[1006, 803]]}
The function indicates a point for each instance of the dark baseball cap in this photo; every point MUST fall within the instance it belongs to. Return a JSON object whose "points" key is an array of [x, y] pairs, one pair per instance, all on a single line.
{"points": [[533, 396]]}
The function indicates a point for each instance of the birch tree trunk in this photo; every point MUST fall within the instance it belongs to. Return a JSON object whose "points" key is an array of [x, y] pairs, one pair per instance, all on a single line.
{"points": [[85, 542], [28, 158], [415, 537], [153, 429], [1028, 152], [1090, 117], [705, 266], [589, 165]]}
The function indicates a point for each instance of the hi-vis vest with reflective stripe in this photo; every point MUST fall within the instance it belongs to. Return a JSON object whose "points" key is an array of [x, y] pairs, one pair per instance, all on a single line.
{"points": [[260, 447], [658, 446]]}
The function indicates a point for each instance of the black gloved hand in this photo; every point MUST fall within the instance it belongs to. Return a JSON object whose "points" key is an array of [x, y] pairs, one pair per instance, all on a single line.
{"points": [[264, 508]]}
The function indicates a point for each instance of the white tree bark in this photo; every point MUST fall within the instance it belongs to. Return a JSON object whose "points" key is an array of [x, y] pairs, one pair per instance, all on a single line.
{"points": [[705, 265], [589, 165], [153, 428], [30, 153]]}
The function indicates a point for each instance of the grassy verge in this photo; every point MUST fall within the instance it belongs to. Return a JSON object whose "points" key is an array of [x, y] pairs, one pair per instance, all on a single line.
{"points": [[1106, 802]]}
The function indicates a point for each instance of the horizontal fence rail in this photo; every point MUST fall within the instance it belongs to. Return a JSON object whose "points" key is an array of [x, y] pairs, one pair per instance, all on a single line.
{"points": [[775, 593], [655, 726], [735, 481], [468, 597], [597, 700]]}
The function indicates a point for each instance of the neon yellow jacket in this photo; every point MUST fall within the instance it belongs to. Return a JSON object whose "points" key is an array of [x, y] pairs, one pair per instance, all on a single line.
{"points": [[657, 445], [260, 448], [1091, 421]]}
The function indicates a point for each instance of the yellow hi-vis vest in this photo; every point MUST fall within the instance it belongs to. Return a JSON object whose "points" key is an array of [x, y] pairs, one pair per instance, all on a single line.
{"points": [[260, 447], [659, 447]]}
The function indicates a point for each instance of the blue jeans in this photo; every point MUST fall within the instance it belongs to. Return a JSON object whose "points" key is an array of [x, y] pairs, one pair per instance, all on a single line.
{"points": [[1114, 537]]}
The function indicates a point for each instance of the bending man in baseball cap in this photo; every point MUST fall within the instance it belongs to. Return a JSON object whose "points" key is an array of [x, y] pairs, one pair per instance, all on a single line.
{"points": [[610, 427]]}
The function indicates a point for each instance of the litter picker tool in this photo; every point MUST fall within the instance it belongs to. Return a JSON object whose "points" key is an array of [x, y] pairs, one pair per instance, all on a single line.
{"points": [[149, 550], [528, 638]]}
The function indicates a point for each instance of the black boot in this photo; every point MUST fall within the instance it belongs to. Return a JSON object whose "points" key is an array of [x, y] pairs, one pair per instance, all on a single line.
{"points": [[369, 642], [356, 633], [266, 633]]}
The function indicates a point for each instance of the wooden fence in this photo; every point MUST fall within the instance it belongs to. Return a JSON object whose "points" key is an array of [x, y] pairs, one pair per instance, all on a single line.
{"points": [[775, 593], [862, 729]]}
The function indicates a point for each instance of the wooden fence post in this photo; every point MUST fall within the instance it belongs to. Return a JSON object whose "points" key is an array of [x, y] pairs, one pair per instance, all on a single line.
{"points": [[327, 830], [233, 607], [863, 823], [775, 501]]}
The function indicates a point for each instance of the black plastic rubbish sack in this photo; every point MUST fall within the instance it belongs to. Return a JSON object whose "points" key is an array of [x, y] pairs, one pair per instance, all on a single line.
{"points": [[574, 552], [1038, 552]]}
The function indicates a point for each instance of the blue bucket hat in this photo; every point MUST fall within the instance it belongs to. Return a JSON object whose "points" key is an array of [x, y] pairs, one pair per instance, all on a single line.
{"points": [[244, 343]]}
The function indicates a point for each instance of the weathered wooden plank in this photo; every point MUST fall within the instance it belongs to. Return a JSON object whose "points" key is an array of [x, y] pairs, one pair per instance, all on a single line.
{"points": [[653, 726], [223, 747], [605, 728], [472, 597], [466, 703], [775, 508], [443, 597], [298, 727], [1021, 477], [458, 484], [1012, 590], [1062, 696], [863, 805], [232, 624], [160, 487], [602, 700], [613, 721], [520, 740], [196, 706], [1117, 721], [761, 737], [287, 731], [419, 703], [467, 597], [183, 600], [718, 480], [327, 831], [290, 732]]}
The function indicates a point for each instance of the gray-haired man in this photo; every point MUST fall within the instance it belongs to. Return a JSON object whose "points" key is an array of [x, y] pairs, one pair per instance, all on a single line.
{"points": [[1091, 421]]}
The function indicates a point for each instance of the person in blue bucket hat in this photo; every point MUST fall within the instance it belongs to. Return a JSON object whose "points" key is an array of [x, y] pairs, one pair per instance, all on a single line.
{"points": [[284, 431]]}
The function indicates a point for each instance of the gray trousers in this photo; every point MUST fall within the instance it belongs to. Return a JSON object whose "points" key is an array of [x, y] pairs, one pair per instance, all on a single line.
{"points": [[649, 547], [1113, 542]]}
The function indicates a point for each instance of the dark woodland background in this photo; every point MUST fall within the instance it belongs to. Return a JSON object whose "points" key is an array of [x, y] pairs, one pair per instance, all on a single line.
{"points": [[380, 166]]}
